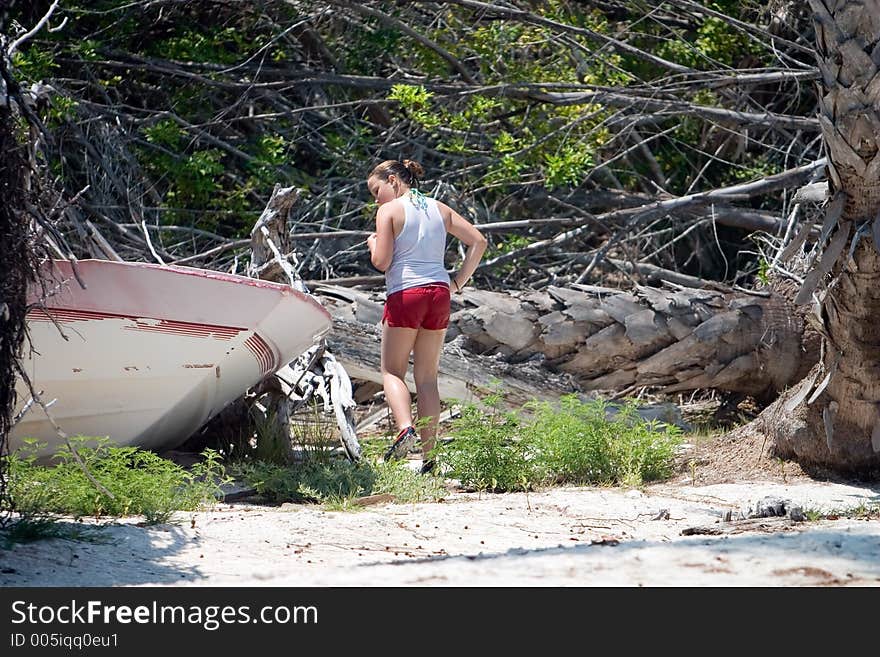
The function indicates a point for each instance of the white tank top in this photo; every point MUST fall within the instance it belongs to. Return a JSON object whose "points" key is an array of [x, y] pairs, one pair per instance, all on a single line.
{"points": [[420, 248]]}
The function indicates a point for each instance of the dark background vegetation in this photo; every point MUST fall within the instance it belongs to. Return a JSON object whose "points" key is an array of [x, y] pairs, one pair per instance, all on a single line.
{"points": [[178, 118]]}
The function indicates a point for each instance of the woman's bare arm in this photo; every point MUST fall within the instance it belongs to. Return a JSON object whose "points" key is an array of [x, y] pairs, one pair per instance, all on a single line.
{"points": [[381, 243], [461, 228]]}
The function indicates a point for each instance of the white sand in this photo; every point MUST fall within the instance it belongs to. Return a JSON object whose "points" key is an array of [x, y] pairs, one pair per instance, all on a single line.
{"points": [[561, 537]]}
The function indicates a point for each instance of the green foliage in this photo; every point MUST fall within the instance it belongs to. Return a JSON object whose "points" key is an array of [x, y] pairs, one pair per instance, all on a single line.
{"points": [[193, 179], [861, 511], [140, 482], [337, 483], [360, 48], [320, 474], [306, 482], [715, 42], [488, 451], [505, 143], [29, 529], [34, 64], [542, 443], [505, 169], [87, 49], [568, 166], [309, 106], [226, 45], [763, 274], [61, 110], [415, 100], [556, 145], [164, 133], [394, 478], [271, 149], [506, 244], [753, 169]]}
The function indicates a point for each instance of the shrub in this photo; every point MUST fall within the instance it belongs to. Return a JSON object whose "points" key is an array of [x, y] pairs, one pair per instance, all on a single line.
{"points": [[139, 482], [490, 451], [572, 441]]}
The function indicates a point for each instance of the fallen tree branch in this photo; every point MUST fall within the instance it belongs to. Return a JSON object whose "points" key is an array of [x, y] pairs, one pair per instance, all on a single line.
{"points": [[633, 216]]}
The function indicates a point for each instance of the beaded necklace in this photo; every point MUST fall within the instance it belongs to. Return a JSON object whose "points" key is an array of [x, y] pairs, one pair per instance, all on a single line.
{"points": [[418, 199]]}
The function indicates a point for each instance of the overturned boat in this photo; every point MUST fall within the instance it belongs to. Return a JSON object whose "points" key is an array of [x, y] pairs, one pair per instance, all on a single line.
{"points": [[145, 354]]}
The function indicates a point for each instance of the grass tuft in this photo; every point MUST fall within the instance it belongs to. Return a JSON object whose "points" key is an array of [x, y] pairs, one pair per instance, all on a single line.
{"points": [[337, 484]]}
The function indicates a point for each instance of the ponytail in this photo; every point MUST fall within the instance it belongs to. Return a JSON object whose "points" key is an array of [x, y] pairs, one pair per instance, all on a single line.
{"points": [[409, 171], [415, 172]]}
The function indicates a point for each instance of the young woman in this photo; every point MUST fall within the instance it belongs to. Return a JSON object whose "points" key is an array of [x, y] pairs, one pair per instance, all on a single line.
{"points": [[409, 246]]}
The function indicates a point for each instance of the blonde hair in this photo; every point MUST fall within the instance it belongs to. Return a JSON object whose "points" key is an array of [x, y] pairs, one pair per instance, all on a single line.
{"points": [[409, 171]]}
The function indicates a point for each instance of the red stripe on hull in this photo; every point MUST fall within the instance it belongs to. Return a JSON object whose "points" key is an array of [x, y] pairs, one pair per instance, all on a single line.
{"points": [[262, 352], [68, 315]]}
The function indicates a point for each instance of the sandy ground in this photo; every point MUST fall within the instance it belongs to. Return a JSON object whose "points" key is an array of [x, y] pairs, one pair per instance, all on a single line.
{"points": [[662, 535]]}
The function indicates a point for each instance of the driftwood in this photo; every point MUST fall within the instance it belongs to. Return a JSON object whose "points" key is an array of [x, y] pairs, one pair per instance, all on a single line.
{"points": [[765, 525], [267, 236], [315, 373]]}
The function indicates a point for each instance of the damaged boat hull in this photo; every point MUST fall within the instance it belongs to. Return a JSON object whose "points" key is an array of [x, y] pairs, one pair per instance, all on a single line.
{"points": [[146, 354]]}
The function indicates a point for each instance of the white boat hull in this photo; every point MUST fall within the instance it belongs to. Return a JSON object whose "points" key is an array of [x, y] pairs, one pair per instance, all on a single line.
{"points": [[147, 354]]}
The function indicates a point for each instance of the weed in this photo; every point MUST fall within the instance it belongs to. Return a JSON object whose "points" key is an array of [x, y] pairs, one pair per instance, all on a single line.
{"points": [[139, 482], [862, 511], [573, 441], [489, 451], [305, 482], [269, 442], [814, 514], [28, 529], [781, 463], [337, 483], [313, 437], [405, 485]]}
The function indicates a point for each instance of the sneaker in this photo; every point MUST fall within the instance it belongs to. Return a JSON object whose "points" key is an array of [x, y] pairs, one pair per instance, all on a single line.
{"points": [[427, 467], [402, 444]]}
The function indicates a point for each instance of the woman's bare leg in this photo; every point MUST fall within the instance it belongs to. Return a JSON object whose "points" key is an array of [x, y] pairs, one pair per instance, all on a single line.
{"points": [[426, 363], [397, 345]]}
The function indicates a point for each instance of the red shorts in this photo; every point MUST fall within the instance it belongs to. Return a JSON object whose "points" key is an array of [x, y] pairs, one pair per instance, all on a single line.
{"points": [[424, 307]]}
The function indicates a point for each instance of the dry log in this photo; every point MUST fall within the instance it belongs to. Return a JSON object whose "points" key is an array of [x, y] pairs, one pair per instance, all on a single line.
{"points": [[329, 380], [765, 525], [541, 343], [268, 235]]}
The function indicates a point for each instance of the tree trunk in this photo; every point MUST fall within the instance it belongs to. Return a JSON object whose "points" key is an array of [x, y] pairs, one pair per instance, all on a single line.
{"points": [[13, 263], [604, 340], [16, 255], [832, 418]]}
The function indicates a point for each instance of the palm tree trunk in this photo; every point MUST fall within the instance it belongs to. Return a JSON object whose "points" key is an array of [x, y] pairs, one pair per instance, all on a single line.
{"points": [[612, 341], [832, 418]]}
